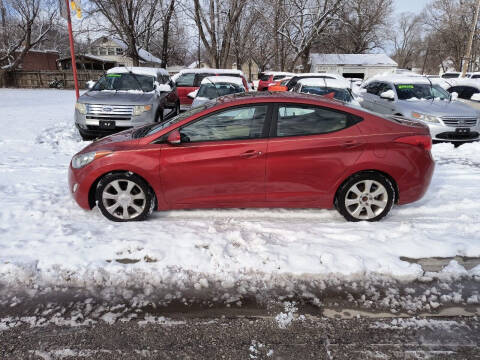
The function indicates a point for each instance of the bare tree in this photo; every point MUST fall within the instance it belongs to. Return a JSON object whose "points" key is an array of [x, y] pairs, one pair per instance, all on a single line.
{"points": [[362, 25], [407, 39], [133, 21], [306, 21], [25, 25], [166, 31], [216, 26]]}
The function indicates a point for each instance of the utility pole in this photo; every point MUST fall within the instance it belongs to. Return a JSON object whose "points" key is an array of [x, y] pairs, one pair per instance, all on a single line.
{"points": [[470, 40]]}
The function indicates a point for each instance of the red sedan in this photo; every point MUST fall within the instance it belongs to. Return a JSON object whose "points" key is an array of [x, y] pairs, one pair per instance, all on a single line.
{"points": [[258, 150]]}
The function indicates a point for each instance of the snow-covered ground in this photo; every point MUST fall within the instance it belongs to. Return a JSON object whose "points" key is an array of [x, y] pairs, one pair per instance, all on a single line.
{"points": [[48, 242]]}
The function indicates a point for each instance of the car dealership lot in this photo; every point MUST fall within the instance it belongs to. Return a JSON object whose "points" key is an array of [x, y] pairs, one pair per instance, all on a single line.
{"points": [[218, 255]]}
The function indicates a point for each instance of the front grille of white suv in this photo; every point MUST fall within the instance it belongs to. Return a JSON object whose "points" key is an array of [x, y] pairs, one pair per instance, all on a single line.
{"points": [[459, 121]]}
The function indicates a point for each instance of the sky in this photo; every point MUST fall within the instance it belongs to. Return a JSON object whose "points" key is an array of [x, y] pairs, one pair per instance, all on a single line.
{"points": [[414, 6]]}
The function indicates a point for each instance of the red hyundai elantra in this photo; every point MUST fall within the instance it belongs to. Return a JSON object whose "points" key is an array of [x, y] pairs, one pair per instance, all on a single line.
{"points": [[258, 150]]}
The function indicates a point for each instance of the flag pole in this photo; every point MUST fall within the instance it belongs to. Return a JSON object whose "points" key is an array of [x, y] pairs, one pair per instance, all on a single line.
{"points": [[72, 49]]}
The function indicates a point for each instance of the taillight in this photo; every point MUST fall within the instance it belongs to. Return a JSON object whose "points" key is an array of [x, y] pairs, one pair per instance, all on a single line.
{"points": [[424, 141]]}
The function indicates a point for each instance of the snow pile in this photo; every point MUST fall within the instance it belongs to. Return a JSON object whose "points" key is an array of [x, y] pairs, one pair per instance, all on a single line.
{"points": [[417, 323], [48, 242]]}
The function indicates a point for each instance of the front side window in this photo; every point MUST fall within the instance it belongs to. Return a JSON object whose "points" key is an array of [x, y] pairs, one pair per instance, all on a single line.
{"points": [[235, 124], [294, 120]]}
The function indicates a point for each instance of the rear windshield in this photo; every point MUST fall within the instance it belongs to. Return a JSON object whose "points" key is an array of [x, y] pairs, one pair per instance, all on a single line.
{"points": [[339, 94], [212, 91], [125, 82], [450, 76], [264, 77], [278, 77]]}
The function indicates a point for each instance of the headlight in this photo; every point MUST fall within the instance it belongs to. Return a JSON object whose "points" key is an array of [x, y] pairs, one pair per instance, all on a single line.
{"points": [[82, 108], [425, 117], [81, 160], [139, 109]]}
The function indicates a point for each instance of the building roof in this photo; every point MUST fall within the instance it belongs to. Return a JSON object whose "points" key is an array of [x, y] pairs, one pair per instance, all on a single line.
{"points": [[144, 54], [88, 56], [352, 59]]}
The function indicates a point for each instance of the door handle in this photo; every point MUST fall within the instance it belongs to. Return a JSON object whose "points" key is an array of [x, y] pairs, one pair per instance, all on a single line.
{"points": [[250, 154]]}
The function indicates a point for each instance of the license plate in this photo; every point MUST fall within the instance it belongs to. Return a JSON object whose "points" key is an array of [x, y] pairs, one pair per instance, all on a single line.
{"points": [[462, 130], [107, 124]]}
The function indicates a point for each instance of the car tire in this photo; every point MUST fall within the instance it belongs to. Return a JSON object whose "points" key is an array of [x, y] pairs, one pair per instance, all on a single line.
{"points": [[124, 197], [366, 196]]}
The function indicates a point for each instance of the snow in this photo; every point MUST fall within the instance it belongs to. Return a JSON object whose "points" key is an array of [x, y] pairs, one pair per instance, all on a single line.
{"points": [[325, 82], [48, 242], [149, 71], [223, 79], [210, 71], [351, 59]]}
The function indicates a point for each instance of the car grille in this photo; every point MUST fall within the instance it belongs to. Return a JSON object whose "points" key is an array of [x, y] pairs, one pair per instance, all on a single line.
{"points": [[109, 112], [459, 121]]}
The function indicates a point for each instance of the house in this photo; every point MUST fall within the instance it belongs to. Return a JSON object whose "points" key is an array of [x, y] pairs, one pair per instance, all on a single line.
{"points": [[37, 60], [352, 65], [86, 62], [113, 50]]}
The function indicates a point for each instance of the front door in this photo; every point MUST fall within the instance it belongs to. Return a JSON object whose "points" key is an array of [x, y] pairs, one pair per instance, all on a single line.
{"points": [[220, 161], [313, 148]]}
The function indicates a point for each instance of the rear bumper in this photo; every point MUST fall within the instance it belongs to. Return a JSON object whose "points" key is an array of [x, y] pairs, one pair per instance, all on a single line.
{"points": [[413, 185]]}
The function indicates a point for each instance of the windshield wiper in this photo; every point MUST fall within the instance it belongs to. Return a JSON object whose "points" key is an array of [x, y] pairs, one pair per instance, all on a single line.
{"points": [[136, 79]]}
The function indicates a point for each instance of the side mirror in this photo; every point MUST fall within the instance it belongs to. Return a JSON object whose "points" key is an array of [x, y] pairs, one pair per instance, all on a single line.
{"points": [[193, 94], [164, 88], [454, 95], [174, 138], [475, 97], [90, 84], [388, 95]]}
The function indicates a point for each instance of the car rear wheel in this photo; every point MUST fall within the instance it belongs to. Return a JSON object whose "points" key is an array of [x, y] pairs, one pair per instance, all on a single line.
{"points": [[124, 197], [365, 196]]}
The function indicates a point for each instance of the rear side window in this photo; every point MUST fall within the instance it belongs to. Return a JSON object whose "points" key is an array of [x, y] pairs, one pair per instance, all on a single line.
{"points": [[186, 80], [297, 120], [464, 92]]}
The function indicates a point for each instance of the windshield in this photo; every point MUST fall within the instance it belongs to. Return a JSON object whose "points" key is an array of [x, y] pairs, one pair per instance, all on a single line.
{"points": [[339, 94], [212, 91], [154, 128], [125, 82], [421, 91]]}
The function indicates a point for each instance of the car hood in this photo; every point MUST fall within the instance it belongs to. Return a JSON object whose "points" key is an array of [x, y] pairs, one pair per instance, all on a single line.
{"points": [[438, 108], [116, 98], [113, 142]]}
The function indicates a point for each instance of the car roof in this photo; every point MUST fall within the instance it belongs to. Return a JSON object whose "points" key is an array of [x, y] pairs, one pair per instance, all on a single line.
{"points": [[274, 73], [324, 82], [400, 79], [223, 79], [150, 71], [326, 75]]}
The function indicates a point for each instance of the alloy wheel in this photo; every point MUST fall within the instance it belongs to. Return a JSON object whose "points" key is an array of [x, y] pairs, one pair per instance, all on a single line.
{"points": [[366, 199], [123, 199]]}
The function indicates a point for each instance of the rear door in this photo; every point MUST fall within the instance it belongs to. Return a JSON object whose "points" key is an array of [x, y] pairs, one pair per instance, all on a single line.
{"points": [[220, 161], [310, 149]]}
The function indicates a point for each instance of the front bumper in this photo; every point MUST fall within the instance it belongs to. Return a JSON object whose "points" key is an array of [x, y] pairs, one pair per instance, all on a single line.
{"points": [[440, 132], [89, 125]]}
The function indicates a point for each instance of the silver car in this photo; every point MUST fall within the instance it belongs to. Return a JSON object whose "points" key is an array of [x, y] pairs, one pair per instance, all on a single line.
{"points": [[416, 98], [123, 98]]}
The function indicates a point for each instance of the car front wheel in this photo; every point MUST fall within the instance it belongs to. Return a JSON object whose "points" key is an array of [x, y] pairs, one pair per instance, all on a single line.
{"points": [[124, 197], [366, 196]]}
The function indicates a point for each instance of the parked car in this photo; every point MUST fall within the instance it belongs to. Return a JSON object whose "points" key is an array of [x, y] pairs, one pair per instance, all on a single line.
{"points": [[467, 91], [216, 86], [293, 81], [268, 78], [189, 80], [258, 150], [126, 97], [279, 85], [451, 75], [417, 98], [475, 75], [336, 89]]}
